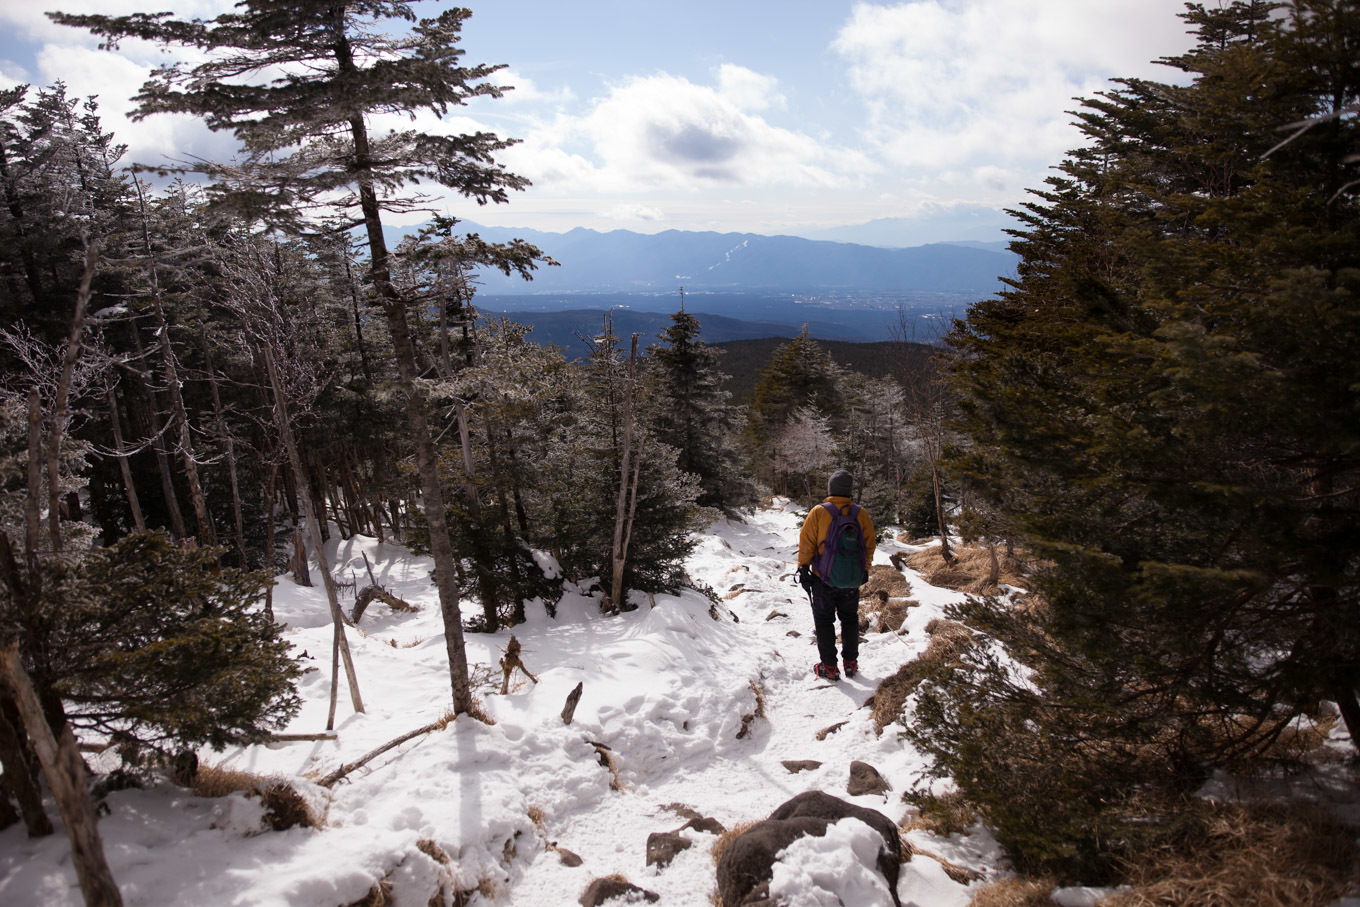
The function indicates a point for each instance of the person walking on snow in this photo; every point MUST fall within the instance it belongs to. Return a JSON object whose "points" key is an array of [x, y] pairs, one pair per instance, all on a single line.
{"points": [[831, 570]]}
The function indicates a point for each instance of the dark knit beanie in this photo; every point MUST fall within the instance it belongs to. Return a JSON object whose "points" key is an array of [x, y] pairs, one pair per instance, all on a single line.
{"points": [[841, 484]]}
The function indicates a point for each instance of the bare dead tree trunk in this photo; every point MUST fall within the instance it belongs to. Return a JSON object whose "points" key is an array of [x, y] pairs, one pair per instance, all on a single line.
{"points": [[271, 500], [507, 530], [60, 411], [358, 321], [301, 574], [924, 394], [427, 465], [19, 780], [178, 415], [32, 511], [177, 528], [341, 644], [620, 550], [945, 551], [65, 772], [228, 444], [124, 468], [481, 558]]}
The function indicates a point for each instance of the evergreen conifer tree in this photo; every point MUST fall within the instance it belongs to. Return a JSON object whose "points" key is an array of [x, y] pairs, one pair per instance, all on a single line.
{"points": [[799, 376], [308, 144], [1162, 406], [690, 412]]}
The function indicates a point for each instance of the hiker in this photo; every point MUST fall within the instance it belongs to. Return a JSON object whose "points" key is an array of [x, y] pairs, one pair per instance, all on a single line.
{"points": [[831, 570]]}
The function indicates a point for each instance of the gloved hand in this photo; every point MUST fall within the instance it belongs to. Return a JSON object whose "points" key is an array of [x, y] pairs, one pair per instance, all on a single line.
{"points": [[805, 578]]}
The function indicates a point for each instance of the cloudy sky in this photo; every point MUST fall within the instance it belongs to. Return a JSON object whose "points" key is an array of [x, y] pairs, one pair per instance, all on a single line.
{"points": [[764, 116]]}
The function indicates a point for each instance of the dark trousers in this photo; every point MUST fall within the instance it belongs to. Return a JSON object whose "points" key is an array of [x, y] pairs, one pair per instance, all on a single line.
{"points": [[827, 604]]}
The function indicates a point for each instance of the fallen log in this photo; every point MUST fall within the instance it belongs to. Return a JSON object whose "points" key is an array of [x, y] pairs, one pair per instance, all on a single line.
{"points": [[368, 757], [373, 591]]}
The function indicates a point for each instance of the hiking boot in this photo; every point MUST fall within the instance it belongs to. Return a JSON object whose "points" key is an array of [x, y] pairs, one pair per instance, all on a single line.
{"points": [[851, 667], [826, 670]]}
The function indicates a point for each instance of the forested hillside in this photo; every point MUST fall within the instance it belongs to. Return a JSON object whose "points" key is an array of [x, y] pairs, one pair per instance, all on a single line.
{"points": [[743, 361]]}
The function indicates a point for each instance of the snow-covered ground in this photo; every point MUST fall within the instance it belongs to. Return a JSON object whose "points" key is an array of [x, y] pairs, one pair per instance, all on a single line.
{"points": [[667, 689]]}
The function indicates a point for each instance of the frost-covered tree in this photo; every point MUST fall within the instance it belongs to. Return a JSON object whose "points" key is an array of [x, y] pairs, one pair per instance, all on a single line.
{"points": [[584, 469], [800, 375], [310, 147]]}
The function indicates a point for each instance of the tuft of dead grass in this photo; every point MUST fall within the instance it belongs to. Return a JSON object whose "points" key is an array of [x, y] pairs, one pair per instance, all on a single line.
{"points": [[477, 711], [1278, 854], [947, 639], [887, 596], [969, 571], [432, 850], [883, 578], [215, 781], [726, 838], [943, 815], [1015, 891], [380, 895], [748, 720], [284, 807], [1295, 744]]}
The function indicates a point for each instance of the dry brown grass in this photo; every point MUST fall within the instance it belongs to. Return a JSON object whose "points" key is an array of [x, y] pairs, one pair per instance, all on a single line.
{"points": [[969, 571], [476, 710], [215, 781], [1273, 854], [748, 720], [1015, 891], [380, 895], [946, 640], [883, 578], [887, 596], [432, 850], [726, 838], [1294, 744], [284, 807], [945, 815]]}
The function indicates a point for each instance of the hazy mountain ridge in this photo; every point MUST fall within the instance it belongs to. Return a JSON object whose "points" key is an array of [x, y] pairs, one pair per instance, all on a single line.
{"points": [[624, 261]]}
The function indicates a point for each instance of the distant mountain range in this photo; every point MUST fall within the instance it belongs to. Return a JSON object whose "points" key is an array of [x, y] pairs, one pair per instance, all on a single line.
{"points": [[621, 261]]}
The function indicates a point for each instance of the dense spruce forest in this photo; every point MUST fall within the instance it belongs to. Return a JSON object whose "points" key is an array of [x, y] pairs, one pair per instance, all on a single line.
{"points": [[210, 369]]}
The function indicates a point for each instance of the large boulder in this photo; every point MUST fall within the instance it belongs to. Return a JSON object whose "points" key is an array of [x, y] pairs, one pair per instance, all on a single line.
{"points": [[747, 865]]}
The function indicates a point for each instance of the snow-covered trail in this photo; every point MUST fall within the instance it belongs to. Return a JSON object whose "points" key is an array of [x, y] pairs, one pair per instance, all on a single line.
{"points": [[751, 566], [667, 689]]}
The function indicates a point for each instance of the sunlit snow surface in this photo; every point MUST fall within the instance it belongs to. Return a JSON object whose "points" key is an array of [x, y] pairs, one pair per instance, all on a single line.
{"points": [[665, 688]]}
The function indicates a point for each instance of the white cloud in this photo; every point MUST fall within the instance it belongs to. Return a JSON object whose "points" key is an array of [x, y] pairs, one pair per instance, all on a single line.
{"points": [[663, 131], [990, 81], [524, 90], [633, 212], [747, 89], [115, 78], [30, 21], [12, 74]]}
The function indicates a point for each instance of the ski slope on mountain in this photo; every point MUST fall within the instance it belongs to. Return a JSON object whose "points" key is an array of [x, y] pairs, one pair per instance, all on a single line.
{"points": [[692, 713]]}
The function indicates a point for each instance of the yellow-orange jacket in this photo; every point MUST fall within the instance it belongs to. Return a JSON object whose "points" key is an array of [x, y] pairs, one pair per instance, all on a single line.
{"points": [[813, 536]]}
